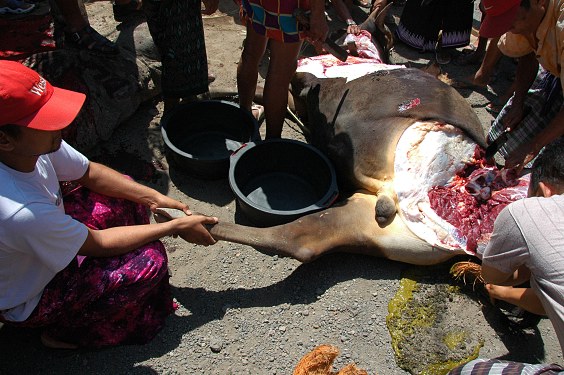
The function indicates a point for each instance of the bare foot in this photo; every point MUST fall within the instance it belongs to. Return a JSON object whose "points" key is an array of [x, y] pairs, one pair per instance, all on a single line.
{"points": [[52, 343], [469, 83]]}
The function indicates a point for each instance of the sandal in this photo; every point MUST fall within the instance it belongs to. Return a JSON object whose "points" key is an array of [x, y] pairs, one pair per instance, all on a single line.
{"points": [[494, 109], [89, 39], [363, 3], [16, 7], [442, 57], [123, 11], [258, 112]]}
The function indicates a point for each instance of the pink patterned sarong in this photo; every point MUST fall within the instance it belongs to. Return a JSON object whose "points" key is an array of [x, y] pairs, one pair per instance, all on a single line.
{"points": [[97, 302]]}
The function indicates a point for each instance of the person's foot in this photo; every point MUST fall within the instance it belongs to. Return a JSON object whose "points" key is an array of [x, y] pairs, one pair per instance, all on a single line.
{"points": [[469, 57], [211, 78], [15, 7], [89, 39], [442, 56], [51, 343], [469, 83]]}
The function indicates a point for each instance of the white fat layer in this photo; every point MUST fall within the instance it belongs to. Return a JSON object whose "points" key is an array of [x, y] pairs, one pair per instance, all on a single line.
{"points": [[429, 154], [328, 66]]}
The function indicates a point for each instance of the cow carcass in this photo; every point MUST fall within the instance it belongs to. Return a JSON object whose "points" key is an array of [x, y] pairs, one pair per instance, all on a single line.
{"points": [[409, 150]]}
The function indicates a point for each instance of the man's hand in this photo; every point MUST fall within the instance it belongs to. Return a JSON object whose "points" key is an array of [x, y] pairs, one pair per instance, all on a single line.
{"points": [[162, 201], [192, 229], [527, 151], [210, 6], [522, 156], [318, 28], [353, 29], [522, 297], [514, 116]]}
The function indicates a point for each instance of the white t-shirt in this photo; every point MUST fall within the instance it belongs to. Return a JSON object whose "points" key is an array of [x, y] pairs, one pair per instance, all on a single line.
{"points": [[530, 232], [37, 238]]}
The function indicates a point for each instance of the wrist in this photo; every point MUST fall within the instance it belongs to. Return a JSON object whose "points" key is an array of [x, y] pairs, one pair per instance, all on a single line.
{"points": [[350, 22]]}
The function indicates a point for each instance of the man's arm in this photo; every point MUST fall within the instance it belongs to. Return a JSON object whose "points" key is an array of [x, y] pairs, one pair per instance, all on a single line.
{"points": [[527, 69], [527, 152], [318, 28], [120, 240], [522, 297], [107, 181], [345, 15], [492, 275]]}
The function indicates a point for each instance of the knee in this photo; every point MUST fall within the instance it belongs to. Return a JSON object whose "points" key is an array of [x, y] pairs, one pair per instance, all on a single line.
{"points": [[306, 255]]}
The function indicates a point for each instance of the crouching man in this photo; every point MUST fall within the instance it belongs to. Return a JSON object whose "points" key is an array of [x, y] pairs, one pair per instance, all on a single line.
{"points": [[528, 244], [84, 263]]}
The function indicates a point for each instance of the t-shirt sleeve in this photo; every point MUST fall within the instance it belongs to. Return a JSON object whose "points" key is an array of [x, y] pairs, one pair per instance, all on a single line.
{"points": [[507, 249], [50, 235], [69, 164], [514, 45]]}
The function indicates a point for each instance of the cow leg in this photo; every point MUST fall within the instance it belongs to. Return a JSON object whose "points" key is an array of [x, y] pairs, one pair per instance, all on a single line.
{"points": [[348, 227]]}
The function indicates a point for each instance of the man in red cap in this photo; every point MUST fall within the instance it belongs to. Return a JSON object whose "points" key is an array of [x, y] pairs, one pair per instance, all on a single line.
{"points": [[82, 261], [535, 113]]}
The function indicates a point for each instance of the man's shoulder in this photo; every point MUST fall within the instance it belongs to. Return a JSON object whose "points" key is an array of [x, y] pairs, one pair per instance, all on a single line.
{"points": [[536, 209]]}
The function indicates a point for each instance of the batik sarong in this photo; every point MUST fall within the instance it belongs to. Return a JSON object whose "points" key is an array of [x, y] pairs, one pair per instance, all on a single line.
{"points": [[96, 302], [421, 22], [178, 32]]}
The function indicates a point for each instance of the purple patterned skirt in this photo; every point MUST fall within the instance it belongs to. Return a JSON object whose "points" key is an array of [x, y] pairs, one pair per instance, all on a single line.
{"points": [[97, 302]]}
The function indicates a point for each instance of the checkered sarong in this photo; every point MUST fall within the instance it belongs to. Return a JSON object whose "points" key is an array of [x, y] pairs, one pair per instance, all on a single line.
{"points": [[542, 102], [275, 18]]}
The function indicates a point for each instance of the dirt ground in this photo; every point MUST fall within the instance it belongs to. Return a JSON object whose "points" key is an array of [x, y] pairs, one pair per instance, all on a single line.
{"points": [[245, 312]]}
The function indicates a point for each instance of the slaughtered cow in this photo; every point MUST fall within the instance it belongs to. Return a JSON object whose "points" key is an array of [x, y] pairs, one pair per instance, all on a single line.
{"points": [[409, 155]]}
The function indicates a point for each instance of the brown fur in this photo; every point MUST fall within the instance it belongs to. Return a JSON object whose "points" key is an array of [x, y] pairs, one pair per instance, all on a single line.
{"points": [[320, 362]]}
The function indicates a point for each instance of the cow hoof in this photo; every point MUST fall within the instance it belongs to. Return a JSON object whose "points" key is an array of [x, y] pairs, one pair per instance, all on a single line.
{"points": [[385, 209]]}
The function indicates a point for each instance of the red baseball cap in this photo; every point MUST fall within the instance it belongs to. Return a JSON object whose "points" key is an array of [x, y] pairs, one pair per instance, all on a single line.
{"points": [[499, 17], [27, 99]]}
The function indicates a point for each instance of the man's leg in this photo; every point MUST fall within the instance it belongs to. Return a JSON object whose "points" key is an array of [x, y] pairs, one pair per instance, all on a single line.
{"points": [[283, 60], [247, 70]]}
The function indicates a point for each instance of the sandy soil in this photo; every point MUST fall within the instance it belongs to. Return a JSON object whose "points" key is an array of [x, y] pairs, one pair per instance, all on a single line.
{"points": [[244, 312]]}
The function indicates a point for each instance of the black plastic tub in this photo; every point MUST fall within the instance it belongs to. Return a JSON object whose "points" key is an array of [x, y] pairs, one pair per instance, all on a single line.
{"points": [[278, 181], [200, 136]]}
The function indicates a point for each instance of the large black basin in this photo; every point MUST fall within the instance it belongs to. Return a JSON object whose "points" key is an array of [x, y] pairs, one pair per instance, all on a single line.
{"points": [[200, 136], [277, 181]]}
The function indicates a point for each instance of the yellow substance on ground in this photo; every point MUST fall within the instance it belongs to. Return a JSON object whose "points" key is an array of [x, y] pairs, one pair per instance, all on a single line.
{"points": [[409, 316]]}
